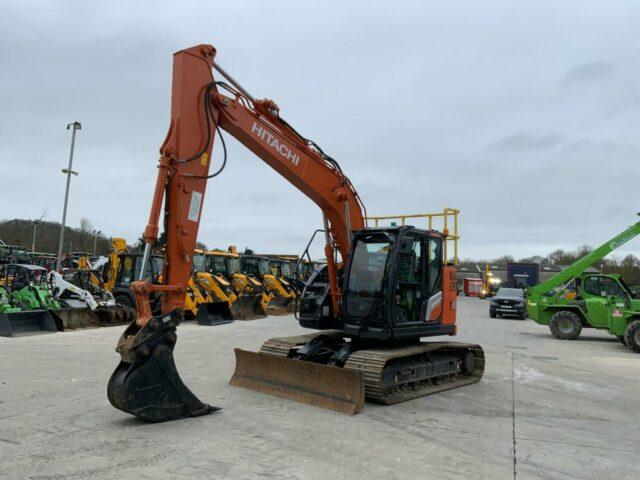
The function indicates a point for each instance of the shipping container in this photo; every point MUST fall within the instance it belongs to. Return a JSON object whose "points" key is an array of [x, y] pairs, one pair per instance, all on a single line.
{"points": [[522, 275], [471, 286]]}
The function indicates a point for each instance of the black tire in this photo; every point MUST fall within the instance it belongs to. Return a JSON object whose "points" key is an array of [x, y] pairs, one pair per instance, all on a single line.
{"points": [[523, 315], [621, 339], [492, 313], [632, 336], [124, 299], [565, 325]]}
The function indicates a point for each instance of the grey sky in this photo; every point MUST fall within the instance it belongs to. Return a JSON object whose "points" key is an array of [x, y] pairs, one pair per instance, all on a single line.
{"points": [[524, 115]]}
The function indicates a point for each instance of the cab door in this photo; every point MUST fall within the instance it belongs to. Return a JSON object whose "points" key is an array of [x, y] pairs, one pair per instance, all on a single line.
{"points": [[410, 290], [418, 290], [597, 293], [433, 305]]}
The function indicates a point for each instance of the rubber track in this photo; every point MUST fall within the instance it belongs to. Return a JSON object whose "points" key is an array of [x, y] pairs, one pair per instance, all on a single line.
{"points": [[372, 362]]}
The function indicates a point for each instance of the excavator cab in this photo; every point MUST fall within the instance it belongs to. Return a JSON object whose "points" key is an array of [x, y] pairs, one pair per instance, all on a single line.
{"points": [[393, 285]]}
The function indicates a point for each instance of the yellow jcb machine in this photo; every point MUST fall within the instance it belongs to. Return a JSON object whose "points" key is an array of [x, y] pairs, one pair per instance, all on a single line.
{"points": [[285, 281], [257, 268], [219, 274], [200, 305], [209, 298]]}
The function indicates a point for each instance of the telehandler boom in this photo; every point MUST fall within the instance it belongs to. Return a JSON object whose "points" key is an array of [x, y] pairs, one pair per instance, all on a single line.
{"points": [[387, 287]]}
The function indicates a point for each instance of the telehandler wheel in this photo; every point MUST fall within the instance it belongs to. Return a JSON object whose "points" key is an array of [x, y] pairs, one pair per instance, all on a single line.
{"points": [[565, 325], [621, 340], [632, 336]]}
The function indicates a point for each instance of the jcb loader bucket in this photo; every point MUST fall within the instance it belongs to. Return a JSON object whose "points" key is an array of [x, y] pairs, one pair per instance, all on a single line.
{"points": [[30, 322], [247, 307], [319, 385], [73, 318], [118, 315], [146, 383], [214, 313], [279, 306]]}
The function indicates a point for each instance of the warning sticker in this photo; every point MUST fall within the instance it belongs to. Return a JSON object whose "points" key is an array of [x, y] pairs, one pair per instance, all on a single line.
{"points": [[194, 207]]}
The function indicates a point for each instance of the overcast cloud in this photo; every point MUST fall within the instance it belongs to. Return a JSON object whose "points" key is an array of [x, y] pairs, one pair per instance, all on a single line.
{"points": [[524, 115]]}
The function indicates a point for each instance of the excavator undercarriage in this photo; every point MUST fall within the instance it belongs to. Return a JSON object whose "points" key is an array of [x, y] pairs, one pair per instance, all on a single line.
{"points": [[387, 374]]}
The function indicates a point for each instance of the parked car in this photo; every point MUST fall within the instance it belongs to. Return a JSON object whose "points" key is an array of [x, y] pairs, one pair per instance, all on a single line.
{"points": [[508, 301]]}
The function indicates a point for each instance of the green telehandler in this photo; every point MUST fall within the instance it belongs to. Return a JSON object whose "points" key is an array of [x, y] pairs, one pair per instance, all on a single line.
{"points": [[572, 299]]}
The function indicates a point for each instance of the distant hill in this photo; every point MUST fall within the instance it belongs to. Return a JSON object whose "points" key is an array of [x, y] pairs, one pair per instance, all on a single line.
{"points": [[20, 232]]}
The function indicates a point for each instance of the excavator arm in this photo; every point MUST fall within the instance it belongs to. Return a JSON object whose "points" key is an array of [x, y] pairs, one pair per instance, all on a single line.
{"points": [[198, 111], [201, 106]]}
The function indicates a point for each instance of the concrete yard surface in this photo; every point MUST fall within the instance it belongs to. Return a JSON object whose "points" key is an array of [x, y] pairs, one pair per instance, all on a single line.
{"points": [[569, 408]]}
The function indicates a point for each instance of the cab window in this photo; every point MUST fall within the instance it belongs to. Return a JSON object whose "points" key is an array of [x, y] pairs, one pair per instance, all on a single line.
{"points": [[435, 265], [603, 287]]}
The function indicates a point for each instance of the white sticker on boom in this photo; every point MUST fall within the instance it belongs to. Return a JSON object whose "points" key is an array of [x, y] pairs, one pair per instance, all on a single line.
{"points": [[194, 207]]}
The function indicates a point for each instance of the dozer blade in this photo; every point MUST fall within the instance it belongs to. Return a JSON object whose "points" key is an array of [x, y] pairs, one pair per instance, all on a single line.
{"points": [[72, 318], [146, 383], [247, 308], [214, 313], [31, 322], [312, 383]]}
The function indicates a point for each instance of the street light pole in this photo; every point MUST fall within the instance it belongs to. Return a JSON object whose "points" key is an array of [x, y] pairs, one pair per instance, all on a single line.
{"points": [[95, 240], [68, 171], [33, 243]]}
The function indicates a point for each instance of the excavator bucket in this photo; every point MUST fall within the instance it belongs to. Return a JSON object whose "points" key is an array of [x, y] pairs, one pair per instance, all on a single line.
{"points": [[146, 382], [214, 313], [333, 388], [29, 322], [74, 318], [247, 307]]}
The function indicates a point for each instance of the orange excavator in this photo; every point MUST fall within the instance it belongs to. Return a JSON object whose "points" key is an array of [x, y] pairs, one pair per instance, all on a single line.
{"points": [[382, 288]]}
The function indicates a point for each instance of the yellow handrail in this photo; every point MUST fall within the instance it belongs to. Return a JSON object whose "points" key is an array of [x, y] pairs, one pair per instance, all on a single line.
{"points": [[449, 218]]}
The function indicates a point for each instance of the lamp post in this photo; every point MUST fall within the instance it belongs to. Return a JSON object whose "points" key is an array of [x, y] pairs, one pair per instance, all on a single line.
{"points": [[35, 227], [95, 240], [68, 171]]}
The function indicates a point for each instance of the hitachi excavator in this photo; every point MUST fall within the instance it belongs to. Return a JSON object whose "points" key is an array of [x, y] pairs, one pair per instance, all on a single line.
{"points": [[387, 287]]}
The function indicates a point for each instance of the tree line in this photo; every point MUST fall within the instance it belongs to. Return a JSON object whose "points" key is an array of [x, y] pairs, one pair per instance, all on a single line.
{"points": [[19, 232], [627, 266]]}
